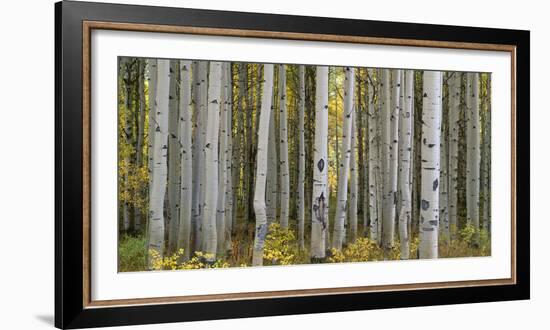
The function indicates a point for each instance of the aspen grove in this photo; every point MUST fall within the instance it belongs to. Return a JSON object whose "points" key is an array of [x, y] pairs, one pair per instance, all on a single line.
{"points": [[225, 164]]}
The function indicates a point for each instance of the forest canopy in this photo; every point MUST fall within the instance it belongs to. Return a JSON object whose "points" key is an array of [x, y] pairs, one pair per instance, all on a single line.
{"points": [[228, 164]]}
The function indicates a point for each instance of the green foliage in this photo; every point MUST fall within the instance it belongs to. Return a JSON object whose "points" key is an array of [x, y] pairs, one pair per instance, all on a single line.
{"points": [[132, 256], [280, 247]]}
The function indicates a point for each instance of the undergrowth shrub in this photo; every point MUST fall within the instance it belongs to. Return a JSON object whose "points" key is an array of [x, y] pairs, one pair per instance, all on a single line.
{"points": [[280, 246], [132, 256]]}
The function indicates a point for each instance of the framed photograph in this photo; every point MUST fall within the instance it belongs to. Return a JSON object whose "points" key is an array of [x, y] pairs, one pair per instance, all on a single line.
{"points": [[214, 164]]}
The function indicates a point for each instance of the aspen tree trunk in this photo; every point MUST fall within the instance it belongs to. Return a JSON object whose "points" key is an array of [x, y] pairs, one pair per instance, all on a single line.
{"points": [[155, 239], [473, 153], [389, 134], [301, 157], [443, 179], [152, 87], [344, 165], [229, 202], [272, 168], [353, 192], [204, 108], [140, 133], [453, 127], [211, 160], [283, 149], [431, 131], [200, 101], [261, 167], [487, 159], [173, 159], [222, 164], [405, 160], [373, 163], [185, 133], [319, 222]]}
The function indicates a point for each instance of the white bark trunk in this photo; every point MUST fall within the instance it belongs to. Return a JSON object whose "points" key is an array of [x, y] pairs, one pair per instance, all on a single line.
{"points": [[319, 222], [173, 159], [272, 170], [261, 167], [431, 131], [444, 181], [473, 153], [222, 164], [155, 239], [186, 128], [229, 202], [353, 181], [211, 160], [342, 194], [283, 151], [373, 163], [405, 160], [390, 143]]}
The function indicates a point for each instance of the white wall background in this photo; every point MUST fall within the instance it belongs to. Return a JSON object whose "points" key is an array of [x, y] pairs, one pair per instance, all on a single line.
{"points": [[27, 163]]}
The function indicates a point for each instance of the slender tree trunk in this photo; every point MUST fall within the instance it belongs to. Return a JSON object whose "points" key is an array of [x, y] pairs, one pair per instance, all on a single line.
{"points": [[405, 160], [272, 168], [344, 165], [283, 149], [431, 131], [261, 167], [173, 159], [353, 192], [302, 158], [373, 163], [390, 143], [224, 129], [152, 87], [211, 160], [155, 239], [453, 127], [444, 179], [200, 101], [473, 153], [229, 201], [319, 221], [487, 159], [128, 132], [184, 227]]}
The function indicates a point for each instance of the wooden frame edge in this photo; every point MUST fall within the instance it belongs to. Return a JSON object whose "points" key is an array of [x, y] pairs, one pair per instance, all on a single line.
{"points": [[89, 25]]}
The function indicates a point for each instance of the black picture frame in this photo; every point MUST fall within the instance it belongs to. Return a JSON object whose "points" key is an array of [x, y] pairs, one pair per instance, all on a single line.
{"points": [[70, 310]]}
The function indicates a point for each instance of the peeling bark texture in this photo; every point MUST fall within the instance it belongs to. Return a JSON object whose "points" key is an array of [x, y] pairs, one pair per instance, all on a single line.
{"points": [[344, 164], [319, 220], [431, 133], [185, 132], [283, 151], [173, 159], [159, 173], [261, 167], [211, 160], [405, 160], [301, 157], [473, 153], [453, 127]]}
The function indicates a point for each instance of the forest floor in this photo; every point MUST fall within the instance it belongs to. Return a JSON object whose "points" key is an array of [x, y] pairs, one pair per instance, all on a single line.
{"points": [[282, 248]]}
